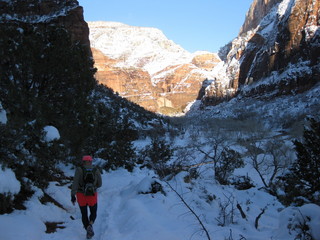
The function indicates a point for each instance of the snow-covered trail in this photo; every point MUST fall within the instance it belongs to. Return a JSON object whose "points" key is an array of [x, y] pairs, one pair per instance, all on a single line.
{"points": [[126, 213], [123, 213]]}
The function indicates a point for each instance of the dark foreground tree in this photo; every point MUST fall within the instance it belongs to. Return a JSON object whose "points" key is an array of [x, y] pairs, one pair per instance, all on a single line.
{"points": [[302, 183]]}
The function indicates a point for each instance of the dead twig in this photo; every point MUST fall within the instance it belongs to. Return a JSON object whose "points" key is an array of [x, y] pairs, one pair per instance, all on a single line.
{"points": [[256, 223], [243, 215], [191, 210]]}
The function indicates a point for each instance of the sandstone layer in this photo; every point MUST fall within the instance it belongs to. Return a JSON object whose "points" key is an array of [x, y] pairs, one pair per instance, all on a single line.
{"points": [[143, 66]]}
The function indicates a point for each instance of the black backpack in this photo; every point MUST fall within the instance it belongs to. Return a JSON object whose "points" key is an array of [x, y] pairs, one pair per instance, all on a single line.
{"points": [[89, 175]]}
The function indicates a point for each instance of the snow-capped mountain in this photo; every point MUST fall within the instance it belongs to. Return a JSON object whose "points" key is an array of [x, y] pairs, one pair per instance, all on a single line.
{"points": [[142, 47], [155, 72]]}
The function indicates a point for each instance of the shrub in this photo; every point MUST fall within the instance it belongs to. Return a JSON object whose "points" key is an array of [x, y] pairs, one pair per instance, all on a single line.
{"points": [[302, 183], [227, 163], [156, 156], [6, 203], [241, 182]]}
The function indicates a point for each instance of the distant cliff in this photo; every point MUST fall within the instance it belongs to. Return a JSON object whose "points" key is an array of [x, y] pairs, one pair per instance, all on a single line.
{"points": [[142, 65]]}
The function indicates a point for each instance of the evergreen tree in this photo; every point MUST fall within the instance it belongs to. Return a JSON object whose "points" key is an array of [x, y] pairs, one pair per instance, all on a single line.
{"points": [[157, 155], [302, 184], [48, 77], [227, 163]]}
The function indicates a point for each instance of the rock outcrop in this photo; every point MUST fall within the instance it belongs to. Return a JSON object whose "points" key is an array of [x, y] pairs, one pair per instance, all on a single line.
{"points": [[293, 42], [65, 13], [206, 60], [178, 85], [258, 10], [277, 50], [132, 83]]}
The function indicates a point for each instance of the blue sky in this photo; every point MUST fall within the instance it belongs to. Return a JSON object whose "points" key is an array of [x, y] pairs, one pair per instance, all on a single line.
{"points": [[193, 24]]}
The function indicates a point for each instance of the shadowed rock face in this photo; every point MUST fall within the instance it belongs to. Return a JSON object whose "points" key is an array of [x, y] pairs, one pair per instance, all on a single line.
{"points": [[46, 67], [277, 37], [66, 13], [294, 38]]}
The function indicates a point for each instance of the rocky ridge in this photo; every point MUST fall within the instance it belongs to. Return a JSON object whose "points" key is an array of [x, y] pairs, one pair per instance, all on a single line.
{"points": [[142, 65]]}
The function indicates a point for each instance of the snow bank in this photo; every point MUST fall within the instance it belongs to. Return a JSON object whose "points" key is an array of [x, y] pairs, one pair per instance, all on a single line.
{"points": [[293, 218], [125, 213], [21, 227], [51, 133], [284, 6], [30, 223], [8, 182]]}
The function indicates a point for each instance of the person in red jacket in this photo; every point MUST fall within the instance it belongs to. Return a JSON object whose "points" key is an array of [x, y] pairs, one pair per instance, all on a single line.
{"points": [[79, 193]]}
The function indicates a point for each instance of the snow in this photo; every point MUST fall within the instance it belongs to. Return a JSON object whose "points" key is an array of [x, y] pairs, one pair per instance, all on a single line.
{"points": [[125, 213], [51, 133], [137, 46], [311, 31], [284, 6], [8, 181], [296, 216], [3, 115]]}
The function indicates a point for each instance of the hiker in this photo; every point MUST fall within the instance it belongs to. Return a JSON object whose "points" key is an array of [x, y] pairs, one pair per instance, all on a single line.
{"points": [[87, 179]]}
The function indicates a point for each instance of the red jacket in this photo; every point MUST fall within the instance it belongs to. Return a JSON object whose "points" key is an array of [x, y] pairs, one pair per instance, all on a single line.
{"points": [[78, 184]]}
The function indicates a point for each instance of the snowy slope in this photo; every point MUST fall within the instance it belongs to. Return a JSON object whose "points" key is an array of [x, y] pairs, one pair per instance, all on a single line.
{"points": [[137, 46], [125, 213]]}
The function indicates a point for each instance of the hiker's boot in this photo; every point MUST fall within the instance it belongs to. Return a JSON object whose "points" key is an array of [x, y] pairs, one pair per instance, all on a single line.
{"points": [[90, 232]]}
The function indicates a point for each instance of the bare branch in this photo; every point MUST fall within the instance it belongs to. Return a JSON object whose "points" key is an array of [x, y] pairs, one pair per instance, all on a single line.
{"points": [[256, 223], [191, 210], [243, 215]]}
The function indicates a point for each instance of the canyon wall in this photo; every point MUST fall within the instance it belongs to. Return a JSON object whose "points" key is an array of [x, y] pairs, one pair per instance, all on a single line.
{"points": [[276, 52]]}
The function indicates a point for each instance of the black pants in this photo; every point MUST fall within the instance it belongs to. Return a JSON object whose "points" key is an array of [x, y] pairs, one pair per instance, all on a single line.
{"points": [[84, 213]]}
